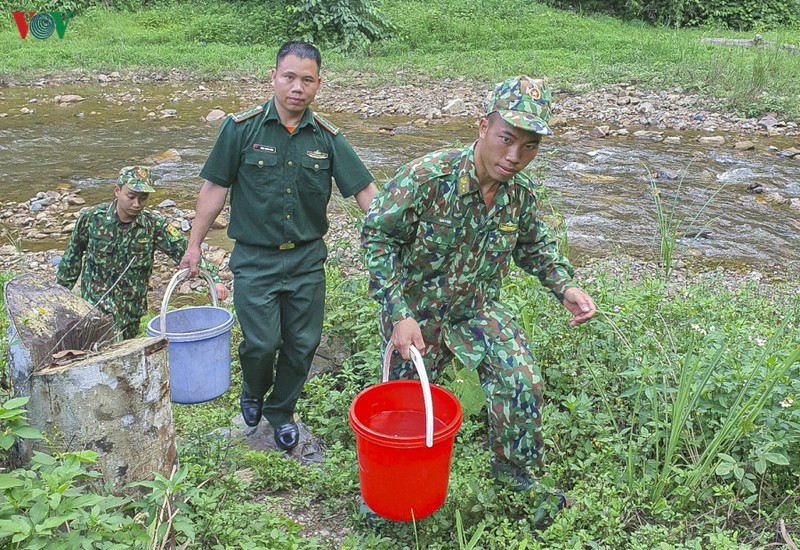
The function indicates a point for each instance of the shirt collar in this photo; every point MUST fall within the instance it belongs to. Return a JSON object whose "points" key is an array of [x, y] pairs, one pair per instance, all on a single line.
{"points": [[271, 113], [467, 176], [112, 217]]}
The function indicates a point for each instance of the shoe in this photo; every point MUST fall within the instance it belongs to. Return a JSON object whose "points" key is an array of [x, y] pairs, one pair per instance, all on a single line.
{"points": [[287, 436], [514, 477], [251, 408], [370, 518], [519, 480]]}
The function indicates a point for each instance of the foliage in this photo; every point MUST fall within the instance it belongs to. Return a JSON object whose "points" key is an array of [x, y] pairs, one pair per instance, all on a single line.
{"points": [[53, 504], [735, 14], [14, 423], [676, 237], [341, 25]]}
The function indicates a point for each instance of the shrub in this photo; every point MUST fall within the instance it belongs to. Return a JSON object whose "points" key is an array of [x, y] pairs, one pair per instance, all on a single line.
{"points": [[735, 14], [341, 25]]}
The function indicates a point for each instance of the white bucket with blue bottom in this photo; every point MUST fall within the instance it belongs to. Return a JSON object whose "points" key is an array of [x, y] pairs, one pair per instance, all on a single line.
{"points": [[199, 345]]}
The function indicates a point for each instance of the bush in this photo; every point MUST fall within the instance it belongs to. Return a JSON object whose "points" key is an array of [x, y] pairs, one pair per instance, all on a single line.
{"points": [[734, 14], [341, 25]]}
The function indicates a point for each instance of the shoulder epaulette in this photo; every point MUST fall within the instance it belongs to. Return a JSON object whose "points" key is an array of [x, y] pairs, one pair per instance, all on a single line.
{"points": [[322, 121], [436, 164], [250, 112]]}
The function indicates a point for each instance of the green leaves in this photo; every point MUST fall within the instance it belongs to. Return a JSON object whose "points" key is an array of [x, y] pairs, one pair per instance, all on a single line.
{"points": [[342, 25]]}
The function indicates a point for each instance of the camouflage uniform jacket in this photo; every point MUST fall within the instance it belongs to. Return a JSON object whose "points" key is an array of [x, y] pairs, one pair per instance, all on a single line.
{"points": [[436, 253], [100, 249]]}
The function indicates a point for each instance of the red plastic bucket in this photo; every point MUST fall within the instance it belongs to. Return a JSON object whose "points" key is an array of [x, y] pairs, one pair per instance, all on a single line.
{"points": [[402, 477]]}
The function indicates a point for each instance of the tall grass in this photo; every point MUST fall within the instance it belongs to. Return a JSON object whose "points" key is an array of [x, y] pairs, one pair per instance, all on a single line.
{"points": [[675, 236], [481, 39]]}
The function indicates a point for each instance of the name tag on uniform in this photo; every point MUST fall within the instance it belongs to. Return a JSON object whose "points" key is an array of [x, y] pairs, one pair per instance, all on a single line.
{"points": [[444, 221], [318, 155], [508, 227], [264, 148]]}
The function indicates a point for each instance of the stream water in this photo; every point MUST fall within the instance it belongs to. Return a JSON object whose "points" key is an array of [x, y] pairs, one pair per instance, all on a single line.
{"points": [[603, 187]]}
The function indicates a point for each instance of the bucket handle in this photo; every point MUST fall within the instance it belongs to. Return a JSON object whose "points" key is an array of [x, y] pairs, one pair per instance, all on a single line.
{"points": [[178, 277], [416, 358]]}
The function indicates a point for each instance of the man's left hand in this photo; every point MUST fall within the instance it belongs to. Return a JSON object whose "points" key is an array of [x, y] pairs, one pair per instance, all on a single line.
{"points": [[579, 304], [222, 291]]}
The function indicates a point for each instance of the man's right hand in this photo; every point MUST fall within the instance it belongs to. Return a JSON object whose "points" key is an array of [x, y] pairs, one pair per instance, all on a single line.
{"points": [[405, 333], [191, 259]]}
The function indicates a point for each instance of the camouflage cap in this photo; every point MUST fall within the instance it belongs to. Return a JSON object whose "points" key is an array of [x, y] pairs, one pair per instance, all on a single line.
{"points": [[137, 178], [522, 102]]}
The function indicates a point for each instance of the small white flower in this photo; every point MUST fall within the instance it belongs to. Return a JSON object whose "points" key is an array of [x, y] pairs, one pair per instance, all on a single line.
{"points": [[761, 342], [788, 402], [699, 329]]}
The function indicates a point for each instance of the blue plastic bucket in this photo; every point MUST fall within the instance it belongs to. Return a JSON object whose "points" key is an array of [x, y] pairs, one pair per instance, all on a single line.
{"points": [[199, 346], [199, 352]]}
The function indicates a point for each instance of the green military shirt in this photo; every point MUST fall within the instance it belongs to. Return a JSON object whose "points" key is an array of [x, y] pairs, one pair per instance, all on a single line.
{"points": [[102, 250], [281, 182], [436, 252]]}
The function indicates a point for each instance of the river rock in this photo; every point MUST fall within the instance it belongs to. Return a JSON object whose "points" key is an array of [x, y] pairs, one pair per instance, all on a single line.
{"points": [[789, 153], [711, 140], [26, 111], [215, 115], [744, 145], [170, 156], [68, 98], [219, 223], [647, 134], [599, 131], [455, 106], [768, 121], [773, 198], [673, 139], [166, 203]]}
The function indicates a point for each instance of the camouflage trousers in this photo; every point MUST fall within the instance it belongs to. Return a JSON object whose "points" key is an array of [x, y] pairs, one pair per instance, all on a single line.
{"points": [[510, 379]]}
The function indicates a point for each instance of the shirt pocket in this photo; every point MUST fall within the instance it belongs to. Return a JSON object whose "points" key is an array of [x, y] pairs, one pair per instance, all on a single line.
{"points": [[315, 175], [436, 245], [255, 167], [499, 245]]}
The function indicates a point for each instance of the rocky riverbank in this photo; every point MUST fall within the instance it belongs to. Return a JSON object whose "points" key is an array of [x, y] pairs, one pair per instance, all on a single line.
{"points": [[620, 111]]}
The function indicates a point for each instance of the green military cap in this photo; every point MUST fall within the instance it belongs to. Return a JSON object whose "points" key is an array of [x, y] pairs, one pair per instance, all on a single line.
{"points": [[137, 178], [522, 102]]}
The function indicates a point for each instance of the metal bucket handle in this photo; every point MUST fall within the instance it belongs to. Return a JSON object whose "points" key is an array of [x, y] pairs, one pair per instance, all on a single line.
{"points": [[416, 358], [178, 277]]}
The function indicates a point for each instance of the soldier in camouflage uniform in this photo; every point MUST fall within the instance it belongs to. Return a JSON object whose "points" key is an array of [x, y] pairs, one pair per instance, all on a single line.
{"points": [[279, 160], [438, 240], [112, 247]]}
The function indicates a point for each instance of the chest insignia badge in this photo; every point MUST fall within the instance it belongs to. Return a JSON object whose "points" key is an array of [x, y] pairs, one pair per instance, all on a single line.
{"points": [[319, 155], [507, 227], [264, 148]]}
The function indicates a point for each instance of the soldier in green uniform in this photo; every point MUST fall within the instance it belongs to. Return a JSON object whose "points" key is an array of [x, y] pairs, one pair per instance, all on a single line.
{"points": [[112, 247], [278, 160], [438, 241]]}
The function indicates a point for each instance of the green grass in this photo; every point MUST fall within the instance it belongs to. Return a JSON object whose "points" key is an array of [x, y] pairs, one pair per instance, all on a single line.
{"points": [[482, 39], [701, 376]]}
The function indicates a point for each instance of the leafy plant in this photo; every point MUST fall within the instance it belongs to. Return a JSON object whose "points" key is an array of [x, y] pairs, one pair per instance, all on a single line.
{"points": [[14, 423], [165, 507], [342, 25], [53, 504], [675, 237]]}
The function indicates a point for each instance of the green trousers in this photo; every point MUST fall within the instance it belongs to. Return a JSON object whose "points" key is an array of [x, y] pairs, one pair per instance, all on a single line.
{"points": [[279, 298]]}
